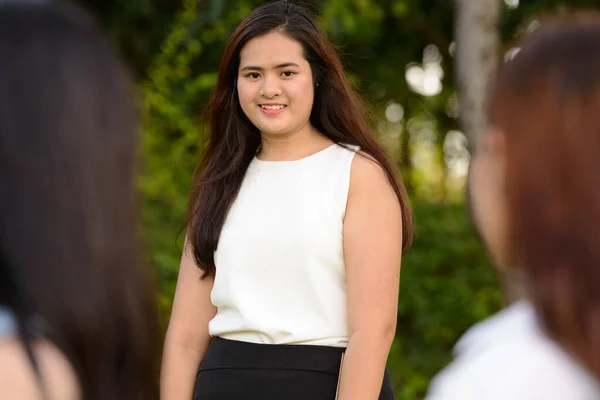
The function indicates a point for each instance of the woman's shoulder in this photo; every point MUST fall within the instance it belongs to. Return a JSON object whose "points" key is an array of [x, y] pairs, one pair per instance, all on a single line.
{"points": [[17, 377], [508, 356], [367, 175]]}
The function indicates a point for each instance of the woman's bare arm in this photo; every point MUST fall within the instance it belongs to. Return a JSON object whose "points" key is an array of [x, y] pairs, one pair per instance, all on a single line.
{"points": [[187, 337], [373, 249]]}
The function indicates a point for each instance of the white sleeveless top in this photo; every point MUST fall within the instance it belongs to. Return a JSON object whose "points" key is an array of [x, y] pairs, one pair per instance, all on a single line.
{"points": [[280, 271]]}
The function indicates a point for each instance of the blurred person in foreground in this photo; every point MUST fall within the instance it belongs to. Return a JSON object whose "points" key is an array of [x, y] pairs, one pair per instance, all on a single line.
{"points": [[77, 314], [535, 193]]}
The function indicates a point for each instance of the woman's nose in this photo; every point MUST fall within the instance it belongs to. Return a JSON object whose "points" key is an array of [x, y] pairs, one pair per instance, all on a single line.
{"points": [[271, 87]]}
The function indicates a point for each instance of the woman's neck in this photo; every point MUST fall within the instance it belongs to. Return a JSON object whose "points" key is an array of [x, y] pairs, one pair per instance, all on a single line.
{"points": [[290, 147]]}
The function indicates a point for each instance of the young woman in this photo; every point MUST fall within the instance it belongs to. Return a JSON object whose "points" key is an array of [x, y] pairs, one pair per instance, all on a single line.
{"points": [[535, 189], [77, 317], [294, 240]]}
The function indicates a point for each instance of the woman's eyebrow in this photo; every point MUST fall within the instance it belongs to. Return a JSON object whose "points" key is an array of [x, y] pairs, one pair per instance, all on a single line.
{"points": [[279, 66]]}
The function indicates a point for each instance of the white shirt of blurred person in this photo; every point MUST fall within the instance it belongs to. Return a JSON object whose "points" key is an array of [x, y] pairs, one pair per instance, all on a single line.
{"points": [[509, 357]]}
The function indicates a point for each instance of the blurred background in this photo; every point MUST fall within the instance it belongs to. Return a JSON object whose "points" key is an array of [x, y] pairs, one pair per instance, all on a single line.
{"points": [[401, 56]]}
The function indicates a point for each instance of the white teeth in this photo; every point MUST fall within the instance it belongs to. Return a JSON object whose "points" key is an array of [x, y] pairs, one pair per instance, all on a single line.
{"points": [[269, 107]]}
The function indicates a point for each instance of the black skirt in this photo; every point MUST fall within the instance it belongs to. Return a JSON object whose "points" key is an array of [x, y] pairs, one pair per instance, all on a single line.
{"points": [[240, 370]]}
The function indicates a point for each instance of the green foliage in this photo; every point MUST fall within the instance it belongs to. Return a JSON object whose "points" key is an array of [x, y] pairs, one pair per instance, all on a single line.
{"points": [[447, 285], [170, 144], [349, 17]]}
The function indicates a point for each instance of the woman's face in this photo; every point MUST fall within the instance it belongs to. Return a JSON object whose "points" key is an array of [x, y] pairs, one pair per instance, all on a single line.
{"points": [[275, 84], [487, 194]]}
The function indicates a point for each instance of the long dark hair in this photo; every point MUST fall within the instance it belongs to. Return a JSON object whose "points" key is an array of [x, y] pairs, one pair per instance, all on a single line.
{"points": [[547, 101], [69, 251], [337, 113]]}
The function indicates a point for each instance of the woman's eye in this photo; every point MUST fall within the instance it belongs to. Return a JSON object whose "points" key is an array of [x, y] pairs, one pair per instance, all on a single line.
{"points": [[288, 74], [253, 75]]}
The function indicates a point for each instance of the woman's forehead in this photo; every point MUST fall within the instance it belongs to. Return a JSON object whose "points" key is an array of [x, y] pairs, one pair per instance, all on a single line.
{"points": [[272, 50]]}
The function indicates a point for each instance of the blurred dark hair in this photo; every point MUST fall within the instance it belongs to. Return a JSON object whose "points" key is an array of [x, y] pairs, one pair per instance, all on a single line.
{"points": [[337, 113], [547, 102], [69, 248]]}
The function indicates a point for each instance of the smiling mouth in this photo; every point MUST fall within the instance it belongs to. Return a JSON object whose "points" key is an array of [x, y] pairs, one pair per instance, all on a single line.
{"points": [[272, 107]]}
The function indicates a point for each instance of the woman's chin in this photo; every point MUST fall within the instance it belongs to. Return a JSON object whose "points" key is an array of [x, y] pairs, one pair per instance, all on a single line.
{"points": [[273, 131]]}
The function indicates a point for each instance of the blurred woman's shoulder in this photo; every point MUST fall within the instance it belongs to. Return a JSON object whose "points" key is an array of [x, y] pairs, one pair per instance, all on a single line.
{"points": [[508, 356], [17, 377]]}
